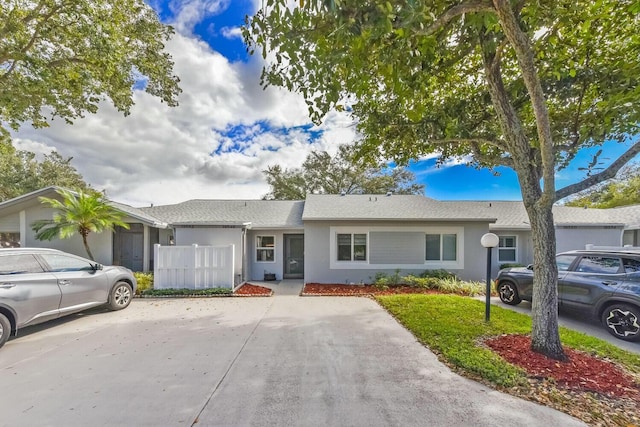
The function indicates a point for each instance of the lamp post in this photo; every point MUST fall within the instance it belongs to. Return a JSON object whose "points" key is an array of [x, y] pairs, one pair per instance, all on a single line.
{"points": [[489, 241]]}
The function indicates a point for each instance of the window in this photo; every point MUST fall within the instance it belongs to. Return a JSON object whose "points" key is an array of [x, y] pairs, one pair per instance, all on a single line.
{"points": [[19, 264], [564, 262], [599, 265], [352, 247], [59, 263], [265, 248], [441, 247], [507, 249]]}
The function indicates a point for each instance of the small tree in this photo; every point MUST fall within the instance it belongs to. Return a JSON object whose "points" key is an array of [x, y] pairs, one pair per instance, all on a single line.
{"points": [[81, 213], [322, 173]]}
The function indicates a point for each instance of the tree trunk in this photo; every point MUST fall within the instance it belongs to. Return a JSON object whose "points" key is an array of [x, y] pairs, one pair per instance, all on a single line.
{"points": [[545, 338], [86, 246]]}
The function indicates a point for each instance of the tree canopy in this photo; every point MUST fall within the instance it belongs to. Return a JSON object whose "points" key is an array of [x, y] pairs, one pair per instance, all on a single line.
{"points": [[515, 83], [23, 173], [343, 173], [623, 190], [60, 58], [81, 212]]}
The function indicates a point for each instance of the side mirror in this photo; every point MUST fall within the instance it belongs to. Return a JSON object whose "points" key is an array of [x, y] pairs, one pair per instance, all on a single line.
{"points": [[97, 266], [530, 267]]}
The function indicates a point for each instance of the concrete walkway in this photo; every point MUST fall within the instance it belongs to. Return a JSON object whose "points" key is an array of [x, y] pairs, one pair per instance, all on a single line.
{"points": [[281, 361]]}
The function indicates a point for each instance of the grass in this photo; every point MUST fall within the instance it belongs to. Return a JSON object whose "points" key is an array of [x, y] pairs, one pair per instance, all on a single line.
{"points": [[451, 326]]}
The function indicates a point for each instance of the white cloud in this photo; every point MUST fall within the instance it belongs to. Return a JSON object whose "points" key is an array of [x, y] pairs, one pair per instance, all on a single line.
{"points": [[188, 13], [231, 32], [166, 155]]}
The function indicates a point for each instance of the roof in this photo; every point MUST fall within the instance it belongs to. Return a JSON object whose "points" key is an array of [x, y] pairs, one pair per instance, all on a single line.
{"points": [[512, 215], [388, 208], [139, 214], [259, 213]]}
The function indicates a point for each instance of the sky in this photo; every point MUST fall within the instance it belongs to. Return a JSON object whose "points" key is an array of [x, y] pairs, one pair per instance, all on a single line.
{"points": [[227, 129]]}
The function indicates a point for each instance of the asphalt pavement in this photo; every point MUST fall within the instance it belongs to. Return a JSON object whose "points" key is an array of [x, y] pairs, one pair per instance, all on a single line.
{"points": [[280, 361]]}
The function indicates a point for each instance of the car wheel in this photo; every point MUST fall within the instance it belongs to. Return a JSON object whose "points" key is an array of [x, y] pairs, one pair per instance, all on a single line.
{"points": [[120, 296], [622, 321], [509, 293], [5, 329]]}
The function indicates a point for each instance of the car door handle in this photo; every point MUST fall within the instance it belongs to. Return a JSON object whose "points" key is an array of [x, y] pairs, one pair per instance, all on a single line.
{"points": [[64, 282], [609, 282], [7, 286]]}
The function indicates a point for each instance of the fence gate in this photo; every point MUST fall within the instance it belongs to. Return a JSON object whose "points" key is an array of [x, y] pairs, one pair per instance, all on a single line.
{"points": [[193, 267]]}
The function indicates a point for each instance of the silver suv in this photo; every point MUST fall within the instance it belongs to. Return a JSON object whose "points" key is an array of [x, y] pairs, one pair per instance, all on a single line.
{"points": [[37, 285], [603, 284]]}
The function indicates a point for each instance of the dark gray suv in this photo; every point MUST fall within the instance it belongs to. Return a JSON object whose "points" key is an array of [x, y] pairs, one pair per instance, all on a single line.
{"points": [[603, 284], [37, 285]]}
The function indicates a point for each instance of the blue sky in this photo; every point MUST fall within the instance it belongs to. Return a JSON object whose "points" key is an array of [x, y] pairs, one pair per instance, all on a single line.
{"points": [[227, 129]]}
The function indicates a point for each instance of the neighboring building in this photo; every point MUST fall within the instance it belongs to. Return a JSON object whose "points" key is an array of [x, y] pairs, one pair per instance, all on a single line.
{"points": [[332, 238]]}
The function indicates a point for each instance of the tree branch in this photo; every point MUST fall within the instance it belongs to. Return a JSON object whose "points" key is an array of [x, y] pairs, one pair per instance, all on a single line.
{"points": [[457, 10], [606, 174]]}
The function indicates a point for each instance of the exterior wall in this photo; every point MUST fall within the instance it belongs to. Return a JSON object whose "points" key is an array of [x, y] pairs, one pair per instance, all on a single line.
{"points": [[101, 244], [577, 237], [257, 269], [212, 236], [321, 264], [524, 249]]}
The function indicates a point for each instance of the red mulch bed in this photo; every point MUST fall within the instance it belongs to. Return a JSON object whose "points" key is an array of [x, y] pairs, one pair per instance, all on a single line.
{"points": [[253, 290], [359, 290], [581, 371]]}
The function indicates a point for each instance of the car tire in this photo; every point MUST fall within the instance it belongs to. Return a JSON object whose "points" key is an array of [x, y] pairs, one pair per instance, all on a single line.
{"points": [[5, 329], [508, 293], [622, 321], [120, 296]]}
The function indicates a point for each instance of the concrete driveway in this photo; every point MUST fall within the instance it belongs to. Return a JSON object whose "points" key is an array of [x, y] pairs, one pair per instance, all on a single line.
{"points": [[281, 361]]}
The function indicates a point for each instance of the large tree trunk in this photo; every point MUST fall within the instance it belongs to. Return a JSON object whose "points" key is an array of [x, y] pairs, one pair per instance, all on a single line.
{"points": [[545, 338]]}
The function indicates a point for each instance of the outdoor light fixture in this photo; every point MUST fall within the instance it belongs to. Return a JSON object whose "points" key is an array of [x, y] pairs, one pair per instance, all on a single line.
{"points": [[489, 241]]}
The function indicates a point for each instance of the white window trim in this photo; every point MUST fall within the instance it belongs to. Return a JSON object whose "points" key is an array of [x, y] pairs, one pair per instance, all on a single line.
{"points": [[334, 264], [257, 248], [515, 239], [353, 243]]}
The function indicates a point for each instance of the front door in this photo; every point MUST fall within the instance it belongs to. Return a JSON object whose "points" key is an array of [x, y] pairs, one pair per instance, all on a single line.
{"points": [[293, 256], [128, 247]]}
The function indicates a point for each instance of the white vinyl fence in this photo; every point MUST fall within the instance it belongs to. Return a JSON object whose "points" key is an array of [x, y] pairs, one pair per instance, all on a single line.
{"points": [[193, 267]]}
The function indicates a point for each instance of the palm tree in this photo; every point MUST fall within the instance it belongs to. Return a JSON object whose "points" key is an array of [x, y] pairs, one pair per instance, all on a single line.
{"points": [[81, 212]]}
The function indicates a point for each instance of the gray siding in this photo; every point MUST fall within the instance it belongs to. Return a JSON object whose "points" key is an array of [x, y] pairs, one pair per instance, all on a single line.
{"points": [[257, 269], [318, 251], [388, 247], [577, 237]]}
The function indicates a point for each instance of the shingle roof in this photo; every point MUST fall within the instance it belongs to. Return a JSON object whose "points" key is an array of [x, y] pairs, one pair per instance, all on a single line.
{"points": [[513, 216], [381, 207], [138, 213], [260, 213]]}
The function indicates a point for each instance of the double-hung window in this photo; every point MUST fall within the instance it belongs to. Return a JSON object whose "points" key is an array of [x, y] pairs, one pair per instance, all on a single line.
{"points": [[441, 247], [507, 249], [265, 248], [352, 247]]}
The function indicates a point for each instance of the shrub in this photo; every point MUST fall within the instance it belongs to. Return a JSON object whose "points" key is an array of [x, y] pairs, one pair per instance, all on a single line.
{"points": [[438, 274], [186, 291], [460, 287], [421, 282], [145, 281], [510, 265]]}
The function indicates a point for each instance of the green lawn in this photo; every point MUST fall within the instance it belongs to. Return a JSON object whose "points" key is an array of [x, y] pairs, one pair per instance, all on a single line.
{"points": [[452, 325]]}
